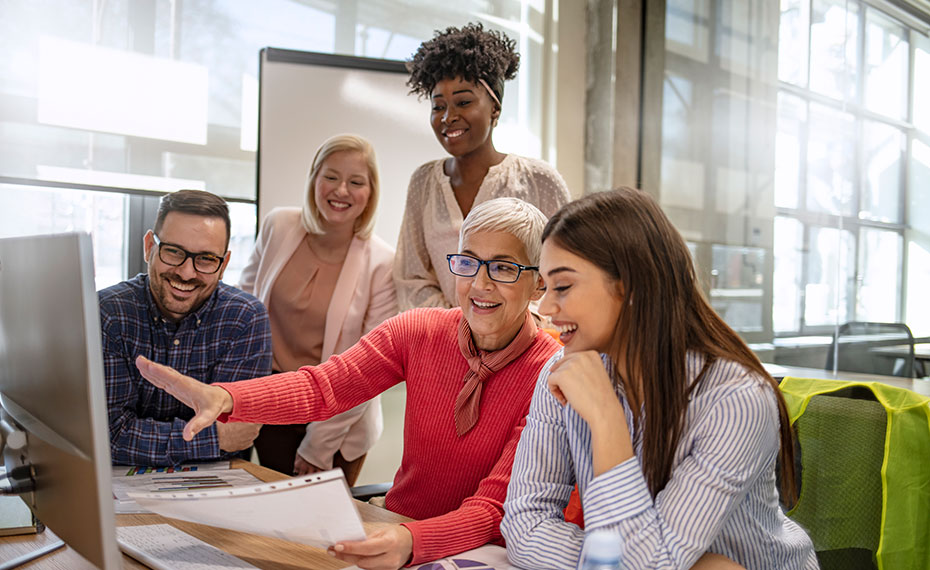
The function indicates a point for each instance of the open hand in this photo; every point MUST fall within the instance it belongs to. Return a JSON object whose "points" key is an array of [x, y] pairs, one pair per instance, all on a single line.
{"points": [[387, 548], [207, 401]]}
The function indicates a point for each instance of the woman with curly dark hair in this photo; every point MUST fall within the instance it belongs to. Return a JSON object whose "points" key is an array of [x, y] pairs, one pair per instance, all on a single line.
{"points": [[462, 71]]}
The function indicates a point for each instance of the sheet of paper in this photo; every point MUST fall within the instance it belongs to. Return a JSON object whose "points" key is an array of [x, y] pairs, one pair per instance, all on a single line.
{"points": [[314, 509], [157, 482], [487, 557]]}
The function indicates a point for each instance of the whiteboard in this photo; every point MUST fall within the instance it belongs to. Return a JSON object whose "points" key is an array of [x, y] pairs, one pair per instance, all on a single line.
{"points": [[306, 97]]}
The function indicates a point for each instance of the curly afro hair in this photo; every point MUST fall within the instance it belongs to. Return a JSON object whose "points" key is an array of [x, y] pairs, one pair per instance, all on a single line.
{"points": [[470, 52]]}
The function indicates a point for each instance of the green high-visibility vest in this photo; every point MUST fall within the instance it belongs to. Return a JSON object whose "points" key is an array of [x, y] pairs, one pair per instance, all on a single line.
{"points": [[904, 540]]}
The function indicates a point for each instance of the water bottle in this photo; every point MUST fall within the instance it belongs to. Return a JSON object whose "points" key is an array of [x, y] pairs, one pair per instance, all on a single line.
{"points": [[602, 550]]}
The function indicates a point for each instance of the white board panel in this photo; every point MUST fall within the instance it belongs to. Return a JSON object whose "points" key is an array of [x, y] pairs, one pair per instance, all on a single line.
{"points": [[306, 98]]}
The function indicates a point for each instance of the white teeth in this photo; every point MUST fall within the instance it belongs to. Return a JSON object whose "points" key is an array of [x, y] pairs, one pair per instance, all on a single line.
{"points": [[563, 329], [454, 134], [181, 286], [484, 305], [339, 205]]}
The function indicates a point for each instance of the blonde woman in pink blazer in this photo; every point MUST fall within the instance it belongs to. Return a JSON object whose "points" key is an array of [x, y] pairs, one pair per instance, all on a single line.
{"points": [[326, 281]]}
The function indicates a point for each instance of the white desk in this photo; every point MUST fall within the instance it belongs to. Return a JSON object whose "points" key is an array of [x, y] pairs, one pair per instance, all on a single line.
{"points": [[777, 371]]}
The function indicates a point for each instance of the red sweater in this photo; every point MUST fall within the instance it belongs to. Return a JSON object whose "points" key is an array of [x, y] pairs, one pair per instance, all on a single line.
{"points": [[455, 486]]}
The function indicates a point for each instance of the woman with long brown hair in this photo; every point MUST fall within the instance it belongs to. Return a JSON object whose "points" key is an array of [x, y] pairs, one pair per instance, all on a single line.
{"points": [[672, 428]]}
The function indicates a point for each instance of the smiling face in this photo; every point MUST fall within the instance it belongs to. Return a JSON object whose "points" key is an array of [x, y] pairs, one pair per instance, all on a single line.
{"points": [[341, 189], [463, 115], [180, 290], [582, 300], [495, 311]]}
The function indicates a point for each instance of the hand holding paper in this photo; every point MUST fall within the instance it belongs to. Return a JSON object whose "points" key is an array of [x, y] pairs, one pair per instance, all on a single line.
{"points": [[207, 401], [387, 548]]}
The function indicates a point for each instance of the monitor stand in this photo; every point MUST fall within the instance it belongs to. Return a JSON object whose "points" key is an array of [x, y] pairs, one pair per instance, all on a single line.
{"points": [[19, 481]]}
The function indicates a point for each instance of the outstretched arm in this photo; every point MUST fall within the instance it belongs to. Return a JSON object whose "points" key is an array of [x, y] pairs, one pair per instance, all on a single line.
{"points": [[207, 401]]}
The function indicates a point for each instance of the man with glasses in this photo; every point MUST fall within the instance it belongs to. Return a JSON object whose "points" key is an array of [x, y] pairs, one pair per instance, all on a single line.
{"points": [[180, 312]]}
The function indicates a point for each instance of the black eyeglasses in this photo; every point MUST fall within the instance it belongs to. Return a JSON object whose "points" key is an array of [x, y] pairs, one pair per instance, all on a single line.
{"points": [[498, 270], [176, 255]]}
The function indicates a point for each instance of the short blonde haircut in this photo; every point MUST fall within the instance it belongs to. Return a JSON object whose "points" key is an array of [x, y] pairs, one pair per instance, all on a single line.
{"points": [[520, 219], [310, 216]]}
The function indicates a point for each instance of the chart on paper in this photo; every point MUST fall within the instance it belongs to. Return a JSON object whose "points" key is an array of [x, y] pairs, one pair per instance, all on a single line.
{"points": [[182, 481]]}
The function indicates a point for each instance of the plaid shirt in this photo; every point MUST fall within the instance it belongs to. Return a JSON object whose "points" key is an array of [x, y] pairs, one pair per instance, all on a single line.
{"points": [[226, 339]]}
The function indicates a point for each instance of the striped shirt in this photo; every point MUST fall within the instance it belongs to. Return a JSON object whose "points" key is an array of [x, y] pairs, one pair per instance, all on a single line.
{"points": [[721, 496], [227, 338]]}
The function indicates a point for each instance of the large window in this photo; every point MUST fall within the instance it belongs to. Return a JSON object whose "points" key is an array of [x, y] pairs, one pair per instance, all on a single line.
{"points": [[841, 150], [715, 180], [793, 157], [106, 105]]}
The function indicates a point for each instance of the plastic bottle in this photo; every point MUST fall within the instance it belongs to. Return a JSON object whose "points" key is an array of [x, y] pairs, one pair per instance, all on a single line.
{"points": [[603, 550]]}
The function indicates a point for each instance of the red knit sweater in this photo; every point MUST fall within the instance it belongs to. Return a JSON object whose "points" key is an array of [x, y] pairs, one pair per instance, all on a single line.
{"points": [[455, 486]]}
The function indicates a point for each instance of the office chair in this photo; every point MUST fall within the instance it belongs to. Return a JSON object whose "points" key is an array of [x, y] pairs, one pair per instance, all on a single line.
{"points": [[366, 492], [842, 444], [864, 472], [873, 348]]}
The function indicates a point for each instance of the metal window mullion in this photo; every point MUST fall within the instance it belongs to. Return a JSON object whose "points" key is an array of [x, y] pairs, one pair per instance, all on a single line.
{"points": [[854, 228]]}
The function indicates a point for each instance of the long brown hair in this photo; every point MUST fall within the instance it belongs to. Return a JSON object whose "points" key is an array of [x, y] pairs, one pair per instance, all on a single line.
{"points": [[665, 314]]}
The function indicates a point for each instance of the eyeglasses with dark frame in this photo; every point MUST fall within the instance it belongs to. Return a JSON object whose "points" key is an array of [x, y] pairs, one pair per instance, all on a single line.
{"points": [[498, 269], [176, 255]]}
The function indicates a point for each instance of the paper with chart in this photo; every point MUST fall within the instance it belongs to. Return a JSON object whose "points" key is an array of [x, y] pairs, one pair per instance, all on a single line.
{"points": [[166, 479], [314, 509]]}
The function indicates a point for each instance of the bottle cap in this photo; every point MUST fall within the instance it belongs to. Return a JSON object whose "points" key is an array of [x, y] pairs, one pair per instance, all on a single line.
{"points": [[603, 545]]}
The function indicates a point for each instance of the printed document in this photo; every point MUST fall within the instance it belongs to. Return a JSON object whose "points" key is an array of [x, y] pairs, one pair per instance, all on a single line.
{"points": [[186, 478], [314, 509]]}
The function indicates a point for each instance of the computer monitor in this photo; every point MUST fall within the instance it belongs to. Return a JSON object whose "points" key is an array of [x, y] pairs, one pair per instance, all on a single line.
{"points": [[52, 390]]}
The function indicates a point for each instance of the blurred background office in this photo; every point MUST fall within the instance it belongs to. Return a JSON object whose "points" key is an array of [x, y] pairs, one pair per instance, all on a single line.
{"points": [[786, 139]]}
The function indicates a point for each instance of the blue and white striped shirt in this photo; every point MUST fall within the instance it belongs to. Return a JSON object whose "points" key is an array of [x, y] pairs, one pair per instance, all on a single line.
{"points": [[228, 338], [721, 496]]}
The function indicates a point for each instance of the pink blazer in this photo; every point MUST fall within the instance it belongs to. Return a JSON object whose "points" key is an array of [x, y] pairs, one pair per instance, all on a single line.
{"points": [[364, 297]]}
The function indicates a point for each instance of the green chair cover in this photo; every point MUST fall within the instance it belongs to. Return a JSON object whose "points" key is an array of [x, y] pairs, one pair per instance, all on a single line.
{"points": [[856, 453]]}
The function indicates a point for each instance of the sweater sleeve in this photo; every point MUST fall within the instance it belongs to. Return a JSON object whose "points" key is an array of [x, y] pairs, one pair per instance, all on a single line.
{"points": [[414, 275], [314, 393], [548, 190], [476, 522]]}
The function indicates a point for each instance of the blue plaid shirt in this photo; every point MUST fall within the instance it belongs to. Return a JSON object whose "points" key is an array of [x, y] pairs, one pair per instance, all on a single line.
{"points": [[226, 339]]}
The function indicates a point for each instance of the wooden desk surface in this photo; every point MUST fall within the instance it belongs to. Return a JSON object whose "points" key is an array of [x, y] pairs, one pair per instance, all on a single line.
{"points": [[263, 552]]}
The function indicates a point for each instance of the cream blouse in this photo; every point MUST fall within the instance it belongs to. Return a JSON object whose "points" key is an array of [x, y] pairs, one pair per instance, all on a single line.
{"points": [[432, 219]]}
